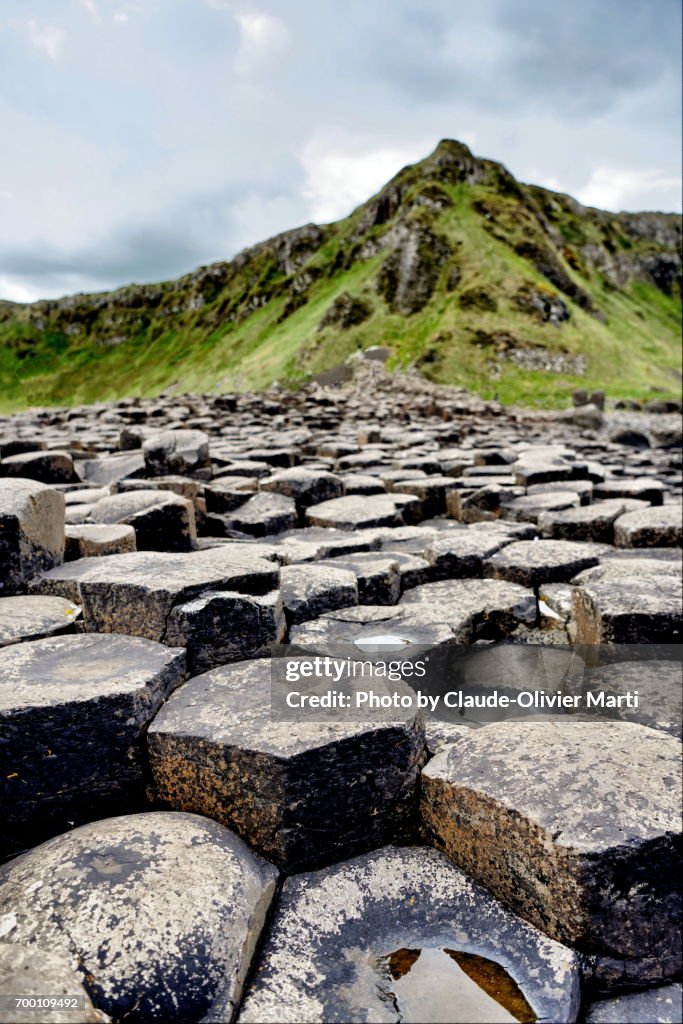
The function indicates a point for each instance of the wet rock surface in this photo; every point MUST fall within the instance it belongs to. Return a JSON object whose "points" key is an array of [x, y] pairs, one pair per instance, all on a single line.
{"points": [[370, 519], [329, 951]]}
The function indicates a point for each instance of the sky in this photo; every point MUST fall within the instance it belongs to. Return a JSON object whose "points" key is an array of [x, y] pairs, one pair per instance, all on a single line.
{"points": [[143, 138]]}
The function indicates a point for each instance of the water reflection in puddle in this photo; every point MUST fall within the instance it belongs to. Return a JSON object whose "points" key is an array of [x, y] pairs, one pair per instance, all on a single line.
{"points": [[446, 986]]}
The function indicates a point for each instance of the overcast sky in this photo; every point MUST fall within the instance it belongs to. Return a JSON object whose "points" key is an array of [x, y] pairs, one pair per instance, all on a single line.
{"points": [[142, 138]]}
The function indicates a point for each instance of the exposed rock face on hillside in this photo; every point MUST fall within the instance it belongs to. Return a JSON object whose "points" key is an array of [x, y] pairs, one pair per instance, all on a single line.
{"points": [[402, 266]]}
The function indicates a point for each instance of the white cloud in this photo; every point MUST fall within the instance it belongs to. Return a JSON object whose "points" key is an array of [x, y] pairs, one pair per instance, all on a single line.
{"points": [[92, 9], [611, 188], [339, 178], [120, 17], [262, 36], [47, 38], [13, 292]]}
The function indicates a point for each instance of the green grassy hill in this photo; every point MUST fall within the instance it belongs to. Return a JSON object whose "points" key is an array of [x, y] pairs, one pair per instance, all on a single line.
{"points": [[508, 289]]}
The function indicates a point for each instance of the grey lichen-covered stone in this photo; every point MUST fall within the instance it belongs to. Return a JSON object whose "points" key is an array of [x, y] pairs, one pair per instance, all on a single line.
{"points": [[662, 1005], [628, 602], [29, 617], [354, 628], [224, 626], [528, 507], [377, 575], [326, 955], [163, 521], [31, 532], [93, 540], [574, 826], [642, 487], [311, 590], [534, 562], [306, 486], [650, 528], [34, 973], [162, 912], [588, 523], [355, 512], [475, 608], [135, 593], [461, 553], [263, 514], [183, 452], [74, 711], [302, 793]]}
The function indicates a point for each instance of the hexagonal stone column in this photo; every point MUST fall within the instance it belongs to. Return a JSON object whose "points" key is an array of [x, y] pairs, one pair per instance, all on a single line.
{"points": [[401, 934], [302, 793], [534, 562], [136, 593], [650, 528], [163, 521], [31, 532], [184, 452], [97, 539], [73, 711], [475, 608], [573, 825], [164, 912], [28, 617], [628, 602]]}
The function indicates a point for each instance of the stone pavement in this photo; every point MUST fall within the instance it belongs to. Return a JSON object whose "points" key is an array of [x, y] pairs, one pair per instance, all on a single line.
{"points": [[173, 853]]}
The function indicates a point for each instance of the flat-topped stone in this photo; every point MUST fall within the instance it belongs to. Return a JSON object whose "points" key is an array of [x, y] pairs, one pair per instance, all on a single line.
{"points": [[370, 627], [311, 590], [357, 511], [184, 452], [573, 825], [461, 553], [216, 749], [163, 521], [475, 608], [53, 467], [534, 562], [306, 486], [92, 540], [661, 1005], [74, 710], [658, 684], [628, 602], [401, 934], [31, 532], [263, 514], [31, 617], [650, 528], [642, 487], [135, 593], [589, 522], [164, 910]]}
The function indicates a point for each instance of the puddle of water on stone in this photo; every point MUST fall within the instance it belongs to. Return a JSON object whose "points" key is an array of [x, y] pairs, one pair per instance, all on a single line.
{"points": [[447, 986], [381, 643]]}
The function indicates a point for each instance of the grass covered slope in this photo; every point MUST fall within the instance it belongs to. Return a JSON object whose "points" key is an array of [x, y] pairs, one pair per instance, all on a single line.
{"points": [[508, 289]]}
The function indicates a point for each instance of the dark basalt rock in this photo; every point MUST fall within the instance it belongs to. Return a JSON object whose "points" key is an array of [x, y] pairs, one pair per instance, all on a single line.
{"points": [[74, 711], [165, 911], [31, 532], [587, 814], [215, 749]]}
